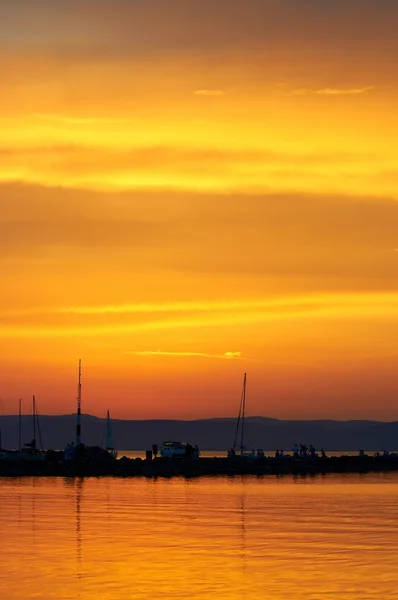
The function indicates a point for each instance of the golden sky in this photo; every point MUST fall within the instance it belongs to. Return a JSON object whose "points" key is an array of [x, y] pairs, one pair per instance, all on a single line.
{"points": [[193, 189]]}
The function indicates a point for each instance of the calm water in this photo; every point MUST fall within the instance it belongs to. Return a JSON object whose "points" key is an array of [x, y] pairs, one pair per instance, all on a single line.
{"points": [[246, 538]]}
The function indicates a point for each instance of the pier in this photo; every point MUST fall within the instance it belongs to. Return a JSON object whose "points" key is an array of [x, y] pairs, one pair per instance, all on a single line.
{"points": [[56, 466]]}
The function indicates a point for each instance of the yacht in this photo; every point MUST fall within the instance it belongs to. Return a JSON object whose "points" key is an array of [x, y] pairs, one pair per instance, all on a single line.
{"points": [[170, 449]]}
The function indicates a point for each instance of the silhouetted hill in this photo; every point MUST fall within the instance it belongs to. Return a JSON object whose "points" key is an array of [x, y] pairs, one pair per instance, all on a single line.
{"points": [[211, 434]]}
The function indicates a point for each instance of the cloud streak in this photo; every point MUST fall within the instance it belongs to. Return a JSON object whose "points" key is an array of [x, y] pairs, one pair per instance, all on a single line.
{"points": [[359, 300], [79, 121], [208, 92], [101, 163], [226, 355], [191, 315], [333, 91]]}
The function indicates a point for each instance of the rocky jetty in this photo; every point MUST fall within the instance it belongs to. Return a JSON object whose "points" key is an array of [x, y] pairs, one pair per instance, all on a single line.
{"points": [[95, 466]]}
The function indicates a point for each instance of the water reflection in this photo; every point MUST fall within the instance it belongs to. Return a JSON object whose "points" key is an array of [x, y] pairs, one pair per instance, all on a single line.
{"points": [[116, 539], [243, 526], [76, 487], [79, 494]]}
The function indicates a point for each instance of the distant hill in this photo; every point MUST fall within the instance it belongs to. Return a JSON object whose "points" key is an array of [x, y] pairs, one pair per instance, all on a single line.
{"points": [[209, 434]]}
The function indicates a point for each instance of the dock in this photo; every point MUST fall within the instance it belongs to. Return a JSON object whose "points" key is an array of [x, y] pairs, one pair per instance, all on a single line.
{"points": [[55, 466]]}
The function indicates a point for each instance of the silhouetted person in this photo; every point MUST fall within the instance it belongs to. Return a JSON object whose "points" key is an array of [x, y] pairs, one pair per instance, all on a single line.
{"points": [[303, 450], [323, 454], [155, 450]]}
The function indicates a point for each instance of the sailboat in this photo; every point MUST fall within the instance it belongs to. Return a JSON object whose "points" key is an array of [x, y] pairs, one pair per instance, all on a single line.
{"points": [[29, 452], [80, 451], [240, 428], [109, 438]]}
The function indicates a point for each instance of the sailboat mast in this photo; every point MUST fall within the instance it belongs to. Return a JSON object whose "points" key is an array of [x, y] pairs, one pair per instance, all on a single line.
{"points": [[238, 424], [2, 413], [79, 404], [243, 414], [20, 424], [34, 420], [109, 441]]}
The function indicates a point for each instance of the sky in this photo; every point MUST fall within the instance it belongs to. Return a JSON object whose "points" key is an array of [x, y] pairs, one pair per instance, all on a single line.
{"points": [[195, 189]]}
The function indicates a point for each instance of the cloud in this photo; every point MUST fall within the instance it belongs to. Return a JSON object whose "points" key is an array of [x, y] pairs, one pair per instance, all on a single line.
{"points": [[227, 355], [79, 121], [302, 237], [333, 91], [208, 93], [270, 305], [124, 321], [184, 167], [97, 59]]}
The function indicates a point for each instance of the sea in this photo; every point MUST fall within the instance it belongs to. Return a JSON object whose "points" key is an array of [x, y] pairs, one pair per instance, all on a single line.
{"points": [[220, 538]]}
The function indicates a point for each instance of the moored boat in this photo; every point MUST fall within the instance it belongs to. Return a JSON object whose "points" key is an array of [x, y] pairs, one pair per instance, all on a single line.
{"points": [[240, 429], [171, 449], [29, 452]]}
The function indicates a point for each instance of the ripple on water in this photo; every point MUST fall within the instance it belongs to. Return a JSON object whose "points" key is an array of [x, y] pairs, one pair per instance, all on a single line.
{"points": [[225, 538]]}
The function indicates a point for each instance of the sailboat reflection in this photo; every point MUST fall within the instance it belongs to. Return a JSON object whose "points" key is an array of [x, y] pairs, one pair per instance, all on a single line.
{"points": [[79, 494], [243, 525], [77, 484]]}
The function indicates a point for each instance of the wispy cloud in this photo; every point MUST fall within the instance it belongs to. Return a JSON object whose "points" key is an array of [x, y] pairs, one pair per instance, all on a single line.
{"points": [[311, 301], [226, 355], [333, 91], [307, 302], [326, 306], [208, 92], [73, 120]]}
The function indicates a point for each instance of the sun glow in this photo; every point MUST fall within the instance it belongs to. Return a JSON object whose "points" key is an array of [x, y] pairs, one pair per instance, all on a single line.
{"points": [[174, 188]]}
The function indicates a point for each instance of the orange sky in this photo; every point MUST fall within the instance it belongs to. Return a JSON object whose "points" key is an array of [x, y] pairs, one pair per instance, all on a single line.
{"points": [[194, 189]]}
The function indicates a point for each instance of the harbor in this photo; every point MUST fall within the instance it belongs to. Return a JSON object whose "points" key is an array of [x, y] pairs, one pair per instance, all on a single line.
{"points": [[101, 465], [176, 458]]}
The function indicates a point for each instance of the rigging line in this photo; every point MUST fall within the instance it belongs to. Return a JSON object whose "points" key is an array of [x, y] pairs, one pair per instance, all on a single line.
{"points": [[39, 429], [243, 412], [238, 422], [34, 420]]}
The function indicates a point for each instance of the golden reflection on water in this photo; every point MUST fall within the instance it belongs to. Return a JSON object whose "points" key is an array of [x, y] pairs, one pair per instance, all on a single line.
{"points": [[223, 538]]}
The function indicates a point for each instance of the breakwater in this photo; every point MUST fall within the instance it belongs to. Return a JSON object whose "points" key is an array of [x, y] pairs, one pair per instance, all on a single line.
{"points": [[184, 467]]}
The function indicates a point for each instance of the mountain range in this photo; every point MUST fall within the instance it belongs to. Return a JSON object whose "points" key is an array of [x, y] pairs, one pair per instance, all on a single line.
{"points": [[209, 434]]}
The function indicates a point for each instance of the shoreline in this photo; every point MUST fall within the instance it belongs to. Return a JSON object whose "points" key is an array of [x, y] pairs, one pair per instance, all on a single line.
{"points": [[185, 467]]}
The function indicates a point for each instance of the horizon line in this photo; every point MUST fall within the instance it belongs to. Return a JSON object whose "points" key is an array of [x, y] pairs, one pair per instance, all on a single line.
{"points": [[232, 418]]}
